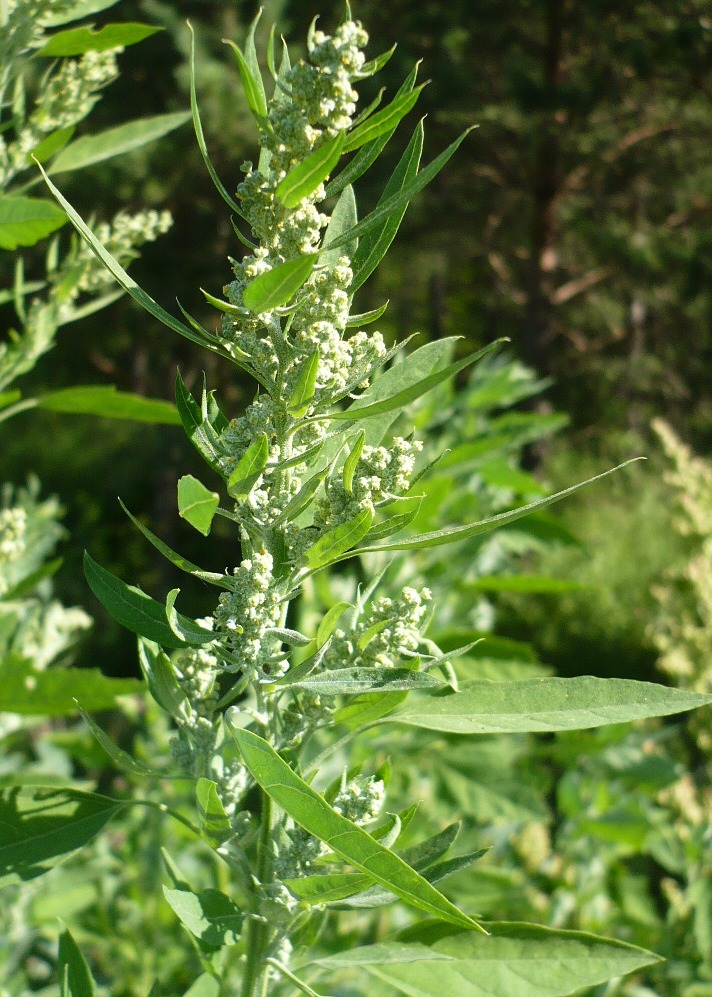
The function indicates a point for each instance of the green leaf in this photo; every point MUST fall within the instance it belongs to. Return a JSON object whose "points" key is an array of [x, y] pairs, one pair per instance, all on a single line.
{"points": [[304, 497], [106, 401], [196, 503], [91, 149], [342, 538], [365, 318], [211, 577], [77, 41], [82, 8], [249, 468], [122, 760], [198, 430], [183, 627], [205, 986], [365, 710], [451, 534], [374, 245], [382, 121], [42, 826], [120, 275], [311, 811], [53, 691], [213, 918], [75, 979], [343, 218], [531, 584], [328, 622], [375, 65], [354, 681], [214, 822], [50, 145], [303, 179], [305, 387], [352, 460], [544, 704], [26, 220], [250, 73], [161, 677], [517, 960], [277, 286], [394, 203], [363, 409], [129, 606]]}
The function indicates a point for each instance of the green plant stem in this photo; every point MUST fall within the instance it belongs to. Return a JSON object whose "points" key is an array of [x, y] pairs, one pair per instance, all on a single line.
{"points": [[23, 406], [256, 972]]}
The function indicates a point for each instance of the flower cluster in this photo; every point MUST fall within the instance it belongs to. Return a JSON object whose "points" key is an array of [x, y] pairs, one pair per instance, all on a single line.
{"points": [[13, 524]]}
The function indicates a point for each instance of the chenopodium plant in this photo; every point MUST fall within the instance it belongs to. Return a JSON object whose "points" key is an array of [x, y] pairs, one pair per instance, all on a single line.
{"points": [[266, 715]]}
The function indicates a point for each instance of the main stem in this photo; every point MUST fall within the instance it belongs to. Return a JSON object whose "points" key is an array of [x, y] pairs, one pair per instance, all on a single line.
{"points": [[255, 965]]}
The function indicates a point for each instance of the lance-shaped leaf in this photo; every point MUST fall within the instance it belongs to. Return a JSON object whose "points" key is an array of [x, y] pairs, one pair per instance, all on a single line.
{"points": [[544, 704], [161, 678], [106, 401], [343, 217], [311, 811], [183, 627], [214, 822], [336, 542], [304, 179], [26, 220], [374, 66], [196, 503], [517, 960], [198, 430], [394, 203], [42, 826], [249, 467], [129, 606], [75, 979], [305, 387], [347, 475], [382, 121], [211, 577], [277, 286], [77, 41], [304, 497], [369, 153], [211, 916], [53, 692], [365, 318], [364, 410], [451, 534], [354, 681], [328, 622], [250, 73], [374, 245], [91, 149], [403, 514], [122, 760]]}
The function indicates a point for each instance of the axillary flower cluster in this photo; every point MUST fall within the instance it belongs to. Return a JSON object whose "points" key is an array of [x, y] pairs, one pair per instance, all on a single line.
{"points": [[311, 478]]}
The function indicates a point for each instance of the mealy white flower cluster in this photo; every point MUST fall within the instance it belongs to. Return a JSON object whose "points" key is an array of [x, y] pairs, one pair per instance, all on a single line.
{"points": [[66, 99], [13, 525]]}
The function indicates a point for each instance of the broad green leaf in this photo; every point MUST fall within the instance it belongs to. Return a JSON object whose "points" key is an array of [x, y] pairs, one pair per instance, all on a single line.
{"points": [[355, 681], [363, 409], [183, 627], [305, 387], [91, 149], [277, 286], [129, 606], [122, 278], [205, 986], [329, 621], [196, 503], [374, 245], [214, 822], [26, 220], [197, 429], [77, 41], [387, 207], [213, 918], [212, 577], [544, 704], [517, 960], [365, 710], [200, 136], [369, 153], [382, 121], [53, 691], [249, 468], [42, 826], [75, 979], [106, 401], [311, 811], [82, 8], [342, 538], [51, 145], [343, 217], [304, 179]]}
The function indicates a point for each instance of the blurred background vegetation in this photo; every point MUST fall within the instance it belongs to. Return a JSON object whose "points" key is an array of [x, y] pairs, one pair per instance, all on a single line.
{"points": [[575, 220]]}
